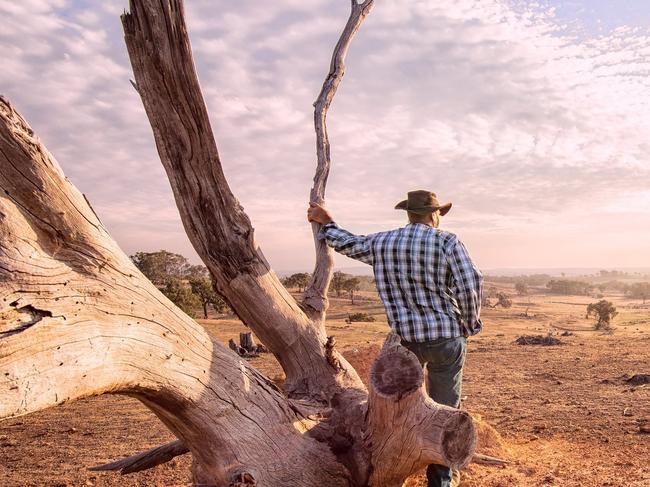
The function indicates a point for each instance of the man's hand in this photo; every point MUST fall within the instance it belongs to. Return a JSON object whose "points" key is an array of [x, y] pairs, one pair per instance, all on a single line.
{"points": [[317, 213]]}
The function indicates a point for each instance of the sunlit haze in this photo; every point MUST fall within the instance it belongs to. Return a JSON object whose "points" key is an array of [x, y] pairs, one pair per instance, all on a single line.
{"points": [[531, 117]]}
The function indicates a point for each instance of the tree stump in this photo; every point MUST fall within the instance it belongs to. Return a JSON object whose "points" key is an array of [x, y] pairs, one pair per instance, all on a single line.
{"points": [[247, 343]]}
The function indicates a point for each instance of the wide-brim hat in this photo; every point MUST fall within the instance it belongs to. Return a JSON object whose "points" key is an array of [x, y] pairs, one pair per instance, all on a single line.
{"points": [[423, 202]]}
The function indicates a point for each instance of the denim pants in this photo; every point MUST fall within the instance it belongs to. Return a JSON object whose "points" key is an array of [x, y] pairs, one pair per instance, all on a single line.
{"points": [[443, 360]]}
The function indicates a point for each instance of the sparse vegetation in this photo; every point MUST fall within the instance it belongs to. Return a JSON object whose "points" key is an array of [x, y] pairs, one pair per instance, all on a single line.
{"points": [[638, 290], [521, 287], [184, 284], [568, 287], [360, 317], [342, 282], [180, 293], [338, 283], [298, 281], [546, 341], [503, 300], [162, 265], [604, 311], [351, 285], [202, 288]]}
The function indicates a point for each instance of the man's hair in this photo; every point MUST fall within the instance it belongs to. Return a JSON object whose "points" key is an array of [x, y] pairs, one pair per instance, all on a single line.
{"points": [[427, 219]]}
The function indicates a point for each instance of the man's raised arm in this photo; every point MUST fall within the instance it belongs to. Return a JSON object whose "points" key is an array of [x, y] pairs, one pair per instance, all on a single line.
{"points": [[354, 246]]}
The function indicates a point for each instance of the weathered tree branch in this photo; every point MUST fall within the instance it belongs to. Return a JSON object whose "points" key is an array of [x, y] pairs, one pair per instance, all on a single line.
{"points": [[78, 319], [145, 460], [220, 231], [315, 300]]}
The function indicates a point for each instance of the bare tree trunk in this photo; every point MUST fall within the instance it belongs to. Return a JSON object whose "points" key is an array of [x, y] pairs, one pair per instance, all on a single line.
{"points": [[246, 342], [77, 318], [220, 231]]}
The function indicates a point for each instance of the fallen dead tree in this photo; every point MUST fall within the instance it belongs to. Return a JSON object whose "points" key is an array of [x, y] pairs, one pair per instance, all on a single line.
{"points": [[78, 319]]}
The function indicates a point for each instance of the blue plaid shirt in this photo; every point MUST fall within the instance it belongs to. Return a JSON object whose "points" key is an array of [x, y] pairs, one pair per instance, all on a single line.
{"points": [[425, 277]]}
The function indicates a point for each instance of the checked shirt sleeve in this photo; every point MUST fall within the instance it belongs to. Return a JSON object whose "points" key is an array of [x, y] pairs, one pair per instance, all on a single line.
{"points": [[468, 287], [354, 246]]}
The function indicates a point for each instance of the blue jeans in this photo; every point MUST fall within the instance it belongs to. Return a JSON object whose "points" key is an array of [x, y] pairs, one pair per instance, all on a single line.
{"points": [[444, 360]]}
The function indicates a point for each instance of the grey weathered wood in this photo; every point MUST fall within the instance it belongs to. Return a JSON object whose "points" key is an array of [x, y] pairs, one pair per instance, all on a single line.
{"points": [[315, 300], [79, 319], [145, 460], [421, 431], [216, 224], [488, 460], [247, 343]]}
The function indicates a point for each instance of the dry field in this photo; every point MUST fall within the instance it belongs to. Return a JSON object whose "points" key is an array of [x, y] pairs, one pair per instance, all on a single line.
{"points": [[566, 415]]}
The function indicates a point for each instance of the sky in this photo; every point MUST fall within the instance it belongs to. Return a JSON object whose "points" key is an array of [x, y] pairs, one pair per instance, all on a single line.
{"points": [[531, 117]]}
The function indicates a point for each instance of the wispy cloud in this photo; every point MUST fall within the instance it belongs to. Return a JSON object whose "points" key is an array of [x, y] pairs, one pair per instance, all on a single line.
{"points": [[536, 130]]}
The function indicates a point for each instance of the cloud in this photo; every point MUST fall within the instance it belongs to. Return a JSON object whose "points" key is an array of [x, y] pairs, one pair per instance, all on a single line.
{"points": [[530, 125]]}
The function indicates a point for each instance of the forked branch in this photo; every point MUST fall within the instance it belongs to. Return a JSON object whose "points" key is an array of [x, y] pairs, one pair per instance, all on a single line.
{"points": [[216, 224]]}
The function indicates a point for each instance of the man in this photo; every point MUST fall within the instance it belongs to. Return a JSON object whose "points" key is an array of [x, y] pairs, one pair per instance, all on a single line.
{"points": [[431, 290]]}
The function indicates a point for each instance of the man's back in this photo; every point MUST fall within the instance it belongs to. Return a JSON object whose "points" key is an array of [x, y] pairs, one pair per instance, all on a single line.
{"points": [[431, 290], [424, 276]]}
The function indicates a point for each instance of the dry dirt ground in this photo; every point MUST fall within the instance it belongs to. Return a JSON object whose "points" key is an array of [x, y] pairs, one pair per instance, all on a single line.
{"points": [[565, 415]]}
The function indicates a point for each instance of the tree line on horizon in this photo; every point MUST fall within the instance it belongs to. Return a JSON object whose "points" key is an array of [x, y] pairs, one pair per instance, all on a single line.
{"points": [[189, 287]]}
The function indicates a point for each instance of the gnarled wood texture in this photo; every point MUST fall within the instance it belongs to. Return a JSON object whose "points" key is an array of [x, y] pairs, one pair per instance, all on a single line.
{"points": [[421, 431], [220, 231], [78, 319], [146, 459]]}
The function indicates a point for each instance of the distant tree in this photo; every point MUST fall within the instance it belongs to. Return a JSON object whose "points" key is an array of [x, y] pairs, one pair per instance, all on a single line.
{"points": [[299, 280], [287, 282], [202, 288], [530, 280], [180, 293], [568, 287], [338, 283], [604, 311], [521, 287], [491, 292], [160, 266], [639, 290], [503, 300], [616, 286], [351, 285]]}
